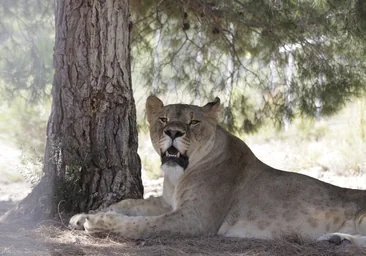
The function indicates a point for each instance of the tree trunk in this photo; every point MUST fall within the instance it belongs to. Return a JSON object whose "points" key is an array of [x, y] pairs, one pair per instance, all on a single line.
{"points": [[91, 156]]}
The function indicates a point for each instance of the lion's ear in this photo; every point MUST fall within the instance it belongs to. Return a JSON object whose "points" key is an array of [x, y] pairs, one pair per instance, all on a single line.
{"points": [[213, 107], [153, 107]]}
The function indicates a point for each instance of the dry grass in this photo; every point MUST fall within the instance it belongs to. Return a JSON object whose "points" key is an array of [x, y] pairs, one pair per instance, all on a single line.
{"points": [[54, 240]]}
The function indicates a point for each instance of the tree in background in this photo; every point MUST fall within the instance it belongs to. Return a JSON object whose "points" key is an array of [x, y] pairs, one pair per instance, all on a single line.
{"points": [[91, 156], [316, 50]]}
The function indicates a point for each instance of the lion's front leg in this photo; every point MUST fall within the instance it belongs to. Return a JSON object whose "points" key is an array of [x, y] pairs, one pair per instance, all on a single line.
{"points": [[78, 220], [151, 206], [99, 222], [175, 223]]}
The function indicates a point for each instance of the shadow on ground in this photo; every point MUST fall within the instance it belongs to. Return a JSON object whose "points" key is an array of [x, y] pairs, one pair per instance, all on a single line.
{"points": [[53, 239], [6, 205]]}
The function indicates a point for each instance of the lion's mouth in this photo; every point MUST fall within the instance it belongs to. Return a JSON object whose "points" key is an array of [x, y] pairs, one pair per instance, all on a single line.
{"points": [[173, 156]]}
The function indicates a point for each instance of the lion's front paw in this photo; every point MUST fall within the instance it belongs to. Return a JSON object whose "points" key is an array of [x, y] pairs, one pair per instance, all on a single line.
{"points": [[77, 221]]}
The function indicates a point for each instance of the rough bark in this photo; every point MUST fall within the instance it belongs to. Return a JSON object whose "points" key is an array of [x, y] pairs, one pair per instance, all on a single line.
{"points": [[91, 152]]}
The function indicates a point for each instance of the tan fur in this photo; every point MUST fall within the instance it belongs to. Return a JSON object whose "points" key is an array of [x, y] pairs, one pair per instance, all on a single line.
{"points": [[226, 190]]}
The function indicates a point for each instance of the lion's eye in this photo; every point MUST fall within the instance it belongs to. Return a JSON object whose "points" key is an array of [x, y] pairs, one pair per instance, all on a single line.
{"points": [[194, 122], [163, 120]]}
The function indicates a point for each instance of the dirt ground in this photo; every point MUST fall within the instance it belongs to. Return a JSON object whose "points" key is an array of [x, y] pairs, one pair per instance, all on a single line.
{"points": [[53, 238]]}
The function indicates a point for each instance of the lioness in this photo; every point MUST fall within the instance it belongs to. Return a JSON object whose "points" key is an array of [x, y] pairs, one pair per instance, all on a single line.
{"points": [[214, 184]]}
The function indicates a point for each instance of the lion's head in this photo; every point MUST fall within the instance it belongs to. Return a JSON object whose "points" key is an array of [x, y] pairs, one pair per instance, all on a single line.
{"points": [[181, 134]]}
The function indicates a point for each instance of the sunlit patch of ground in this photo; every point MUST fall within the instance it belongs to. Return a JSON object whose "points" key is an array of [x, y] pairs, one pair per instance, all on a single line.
{"points": [[281, 155], [12, 185]]}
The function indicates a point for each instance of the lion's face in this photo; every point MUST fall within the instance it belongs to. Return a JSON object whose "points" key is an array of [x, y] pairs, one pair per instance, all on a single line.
{"points": [[181, 133]]}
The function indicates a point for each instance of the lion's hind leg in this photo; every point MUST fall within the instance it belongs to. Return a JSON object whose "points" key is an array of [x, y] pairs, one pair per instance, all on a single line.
{"points": [[358, 239], [338, 238]]}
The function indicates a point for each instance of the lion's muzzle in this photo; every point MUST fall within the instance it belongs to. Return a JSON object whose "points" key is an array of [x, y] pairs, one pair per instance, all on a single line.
{"points": [[172, 157]]}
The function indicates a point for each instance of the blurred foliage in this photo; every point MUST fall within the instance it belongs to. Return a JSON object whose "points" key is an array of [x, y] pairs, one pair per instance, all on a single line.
{"points": [[30, 166], [26, 45], [210, 48], [25, 124], [68, 190], [310, 129]]}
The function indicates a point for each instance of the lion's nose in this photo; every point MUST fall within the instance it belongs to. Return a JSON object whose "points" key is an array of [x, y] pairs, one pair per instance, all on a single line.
{"points": [[173, 133]]}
